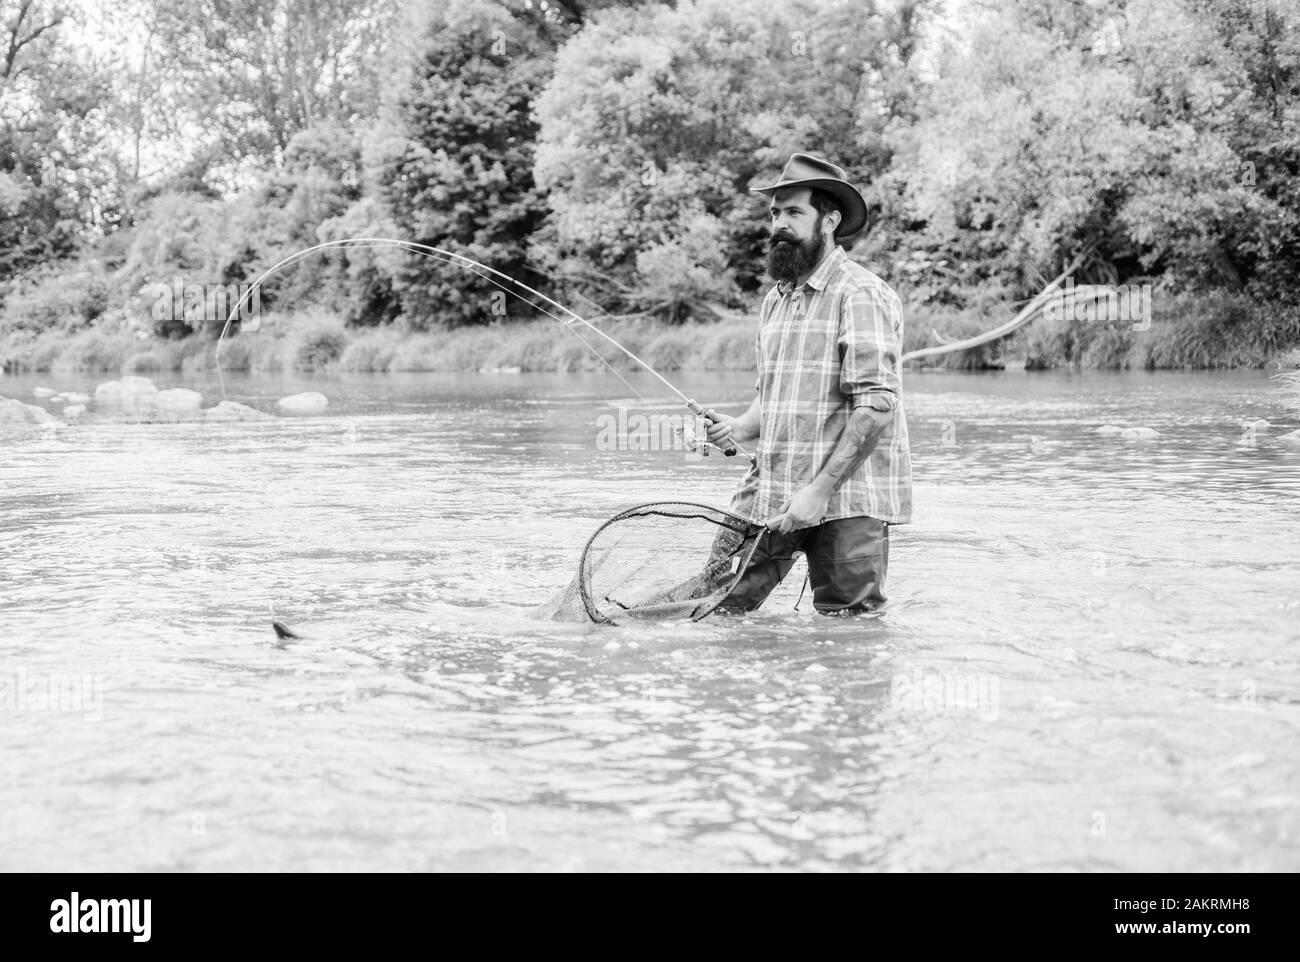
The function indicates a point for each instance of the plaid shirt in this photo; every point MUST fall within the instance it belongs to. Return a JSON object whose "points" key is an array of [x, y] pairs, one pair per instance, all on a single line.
{"points": [[824, 348]]}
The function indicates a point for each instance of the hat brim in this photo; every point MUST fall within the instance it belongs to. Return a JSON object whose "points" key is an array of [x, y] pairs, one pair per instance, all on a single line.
{"points": [[854, 207]]}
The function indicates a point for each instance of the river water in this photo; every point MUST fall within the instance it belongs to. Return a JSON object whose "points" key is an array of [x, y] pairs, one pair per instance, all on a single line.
{"points": [[1090, 659]]}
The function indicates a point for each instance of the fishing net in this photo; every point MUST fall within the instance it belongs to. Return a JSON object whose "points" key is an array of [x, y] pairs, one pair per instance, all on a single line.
{"points": [[668, 560]]}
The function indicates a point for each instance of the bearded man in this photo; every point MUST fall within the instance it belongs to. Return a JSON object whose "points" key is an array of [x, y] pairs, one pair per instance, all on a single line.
{"points": [[833, 470]]}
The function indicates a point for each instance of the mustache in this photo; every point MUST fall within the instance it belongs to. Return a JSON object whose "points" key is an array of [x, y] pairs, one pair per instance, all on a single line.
{"points": [[781, 239]]}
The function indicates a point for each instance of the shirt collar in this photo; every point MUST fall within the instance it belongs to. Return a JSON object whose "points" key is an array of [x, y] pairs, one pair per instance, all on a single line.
{"points": [[818, 279]]}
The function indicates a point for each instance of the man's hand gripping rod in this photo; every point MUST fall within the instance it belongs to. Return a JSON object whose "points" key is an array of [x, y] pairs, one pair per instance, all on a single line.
{"points": [[732, 448]]}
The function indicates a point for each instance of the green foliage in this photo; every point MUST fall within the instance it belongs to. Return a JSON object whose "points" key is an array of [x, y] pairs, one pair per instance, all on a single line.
{"points": [[57, 300], [535, 347], [38, 221], [95, 351], [1201, 330], [236, 355], [371, 351], [362, 279], [928, 326], [658, 119], [603, 151], [1114, 125], [319, 185], [57, 174], [1220, 329], [687, 269], [318, 344], [193, 238], [455, 170], [257, 73], [1261, 43], [145, 362]]}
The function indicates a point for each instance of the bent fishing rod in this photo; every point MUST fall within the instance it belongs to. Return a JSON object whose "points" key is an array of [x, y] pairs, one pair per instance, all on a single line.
{"points": [[494, 277]]}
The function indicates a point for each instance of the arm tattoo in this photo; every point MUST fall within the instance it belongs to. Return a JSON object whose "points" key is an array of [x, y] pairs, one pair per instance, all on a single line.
{"points": [[859, 439]]}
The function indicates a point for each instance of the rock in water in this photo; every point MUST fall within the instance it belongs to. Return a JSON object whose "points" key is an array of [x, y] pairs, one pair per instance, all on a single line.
{"points": [[74, 410], [178, 400], [75, 397], [309, 402], [232, 411], [43, 392], [136, 394], [1109, 429], [1291, 440], [1140, 434], [16, 412]]}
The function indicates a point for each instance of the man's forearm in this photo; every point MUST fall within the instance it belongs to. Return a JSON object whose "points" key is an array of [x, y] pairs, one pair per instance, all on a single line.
{"points": [[859, 439]]}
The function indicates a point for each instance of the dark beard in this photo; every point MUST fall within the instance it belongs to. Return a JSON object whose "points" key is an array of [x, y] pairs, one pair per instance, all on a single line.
{"points": [[788, 260]]}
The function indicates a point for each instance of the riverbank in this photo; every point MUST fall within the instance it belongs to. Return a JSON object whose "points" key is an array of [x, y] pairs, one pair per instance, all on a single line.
{"points": [[1186, 332]]}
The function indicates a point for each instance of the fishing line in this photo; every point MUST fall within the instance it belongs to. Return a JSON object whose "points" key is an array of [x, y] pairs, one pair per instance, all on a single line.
{"points": [[491, 276], [444, 259], [537, 307]]}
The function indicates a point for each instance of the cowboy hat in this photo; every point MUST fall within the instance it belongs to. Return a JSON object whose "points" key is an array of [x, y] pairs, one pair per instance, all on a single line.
{"points": [[805, 170]]}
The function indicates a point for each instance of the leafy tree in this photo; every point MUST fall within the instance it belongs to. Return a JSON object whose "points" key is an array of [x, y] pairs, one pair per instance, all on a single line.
{"points": [[658, 120], [252, 73], [55, 170], [1260, 245], [197, 238], [1055, 128], [454, 165]]}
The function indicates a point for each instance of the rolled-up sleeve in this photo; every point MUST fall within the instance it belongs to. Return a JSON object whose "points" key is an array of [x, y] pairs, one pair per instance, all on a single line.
{"points": [[870, 348]]}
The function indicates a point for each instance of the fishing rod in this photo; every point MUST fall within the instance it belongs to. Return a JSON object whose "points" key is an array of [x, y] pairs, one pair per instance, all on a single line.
{"points": [[490, 275]]}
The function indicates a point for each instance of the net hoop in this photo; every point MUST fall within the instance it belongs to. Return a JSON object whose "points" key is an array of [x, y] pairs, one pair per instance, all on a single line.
{"points": [[748, 530]]}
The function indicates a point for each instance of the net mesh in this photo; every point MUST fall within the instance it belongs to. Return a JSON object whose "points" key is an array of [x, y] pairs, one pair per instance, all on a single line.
{"points": [[662, 561]]}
